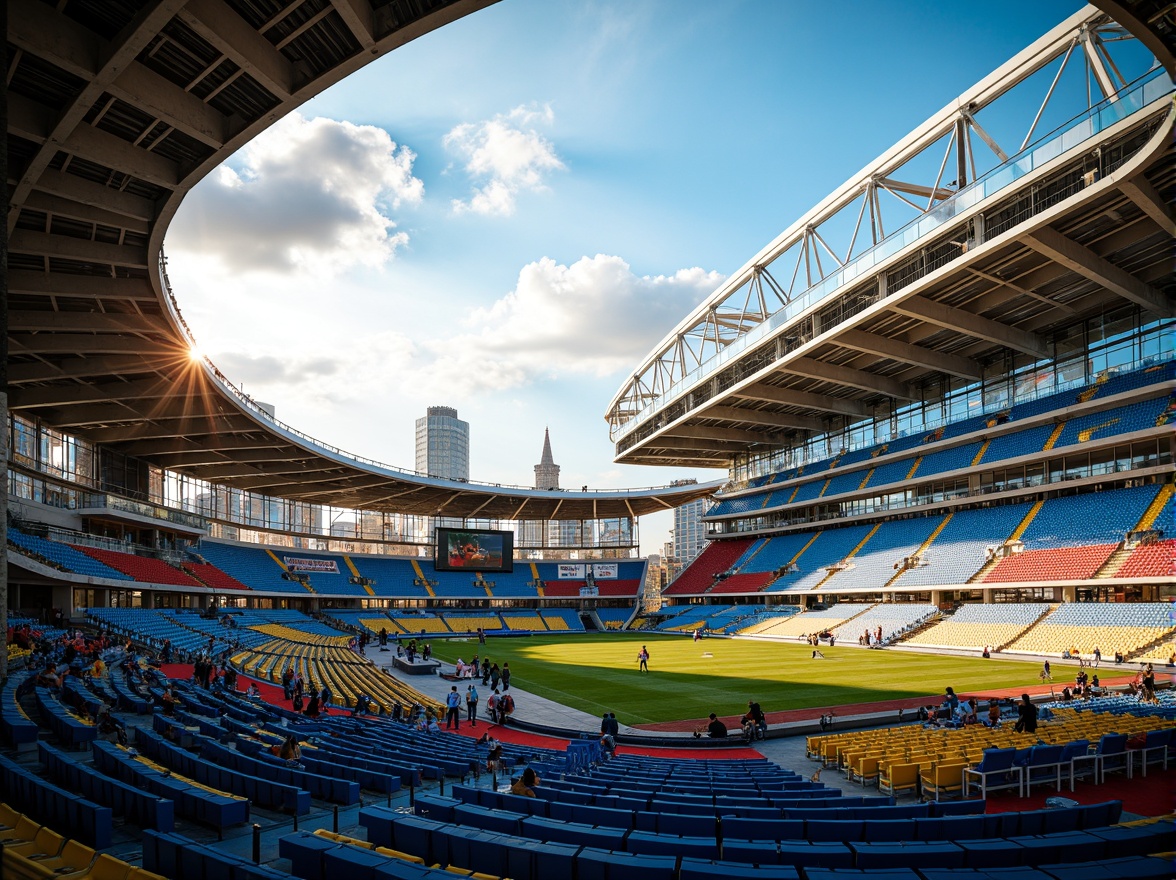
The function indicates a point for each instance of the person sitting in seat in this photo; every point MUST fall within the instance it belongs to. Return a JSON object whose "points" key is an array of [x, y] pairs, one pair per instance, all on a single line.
{"points": [[758, 719], [290, 751], [993, 714], [715, 729], [608, 745], [526, 784]]}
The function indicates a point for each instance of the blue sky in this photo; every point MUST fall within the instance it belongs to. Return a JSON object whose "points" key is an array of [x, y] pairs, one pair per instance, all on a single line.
{"points": [[505, 215]]}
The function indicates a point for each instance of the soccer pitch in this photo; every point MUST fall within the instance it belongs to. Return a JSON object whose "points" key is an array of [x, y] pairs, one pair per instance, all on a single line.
{"points": [[597, 672]]}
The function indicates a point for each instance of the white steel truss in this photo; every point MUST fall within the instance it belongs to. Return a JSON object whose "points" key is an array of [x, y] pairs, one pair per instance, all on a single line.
{"points": [[1090, 61]]}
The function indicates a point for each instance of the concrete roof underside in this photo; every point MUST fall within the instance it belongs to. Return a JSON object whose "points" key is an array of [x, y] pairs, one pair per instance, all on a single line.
{"points": [[116, 109]]}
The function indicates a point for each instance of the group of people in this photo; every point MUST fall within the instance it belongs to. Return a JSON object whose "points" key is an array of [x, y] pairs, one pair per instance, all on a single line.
{"points": [[1144, 685], [955, 712], [309, 700], [205, 673], [753, 725], [1071, 653], [411, 650], [871, 639], [492, 676], [610, 729]]}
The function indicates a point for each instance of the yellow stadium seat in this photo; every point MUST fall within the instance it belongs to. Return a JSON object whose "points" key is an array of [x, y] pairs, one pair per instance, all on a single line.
{"points": [[107, 867], [46, 844], [74, 857]]}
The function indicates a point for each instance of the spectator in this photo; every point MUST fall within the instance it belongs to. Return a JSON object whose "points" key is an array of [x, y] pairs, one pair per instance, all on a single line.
{"points": [[526, 784], [758, 719], [715, 729], [290, 751], [1026, 716]]}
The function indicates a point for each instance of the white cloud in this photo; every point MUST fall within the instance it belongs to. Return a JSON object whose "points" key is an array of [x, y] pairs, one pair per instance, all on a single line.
{"points": [[308, 195], [591, 319], [503, 156], [594, 317]]}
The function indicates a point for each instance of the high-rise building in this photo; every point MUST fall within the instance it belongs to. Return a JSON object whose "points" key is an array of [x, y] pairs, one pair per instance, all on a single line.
{"points": [[443, 444], [689, 534]]}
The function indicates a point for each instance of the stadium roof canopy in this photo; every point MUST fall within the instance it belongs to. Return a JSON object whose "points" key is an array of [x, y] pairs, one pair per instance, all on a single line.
{"points": [[116, 109], [1001, 246]]}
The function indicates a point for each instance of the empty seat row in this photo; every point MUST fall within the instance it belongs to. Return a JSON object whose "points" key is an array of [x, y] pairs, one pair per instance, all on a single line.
{"points": [[91, 823], [125, 801]]}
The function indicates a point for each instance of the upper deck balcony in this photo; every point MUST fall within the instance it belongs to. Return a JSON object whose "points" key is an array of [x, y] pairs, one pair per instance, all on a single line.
{"points": [[802, 341]]}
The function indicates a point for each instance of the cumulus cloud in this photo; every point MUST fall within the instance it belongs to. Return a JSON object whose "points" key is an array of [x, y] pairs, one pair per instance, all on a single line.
{"points": [[593, 317], [266, 369], [503, 156], [307, 195]]}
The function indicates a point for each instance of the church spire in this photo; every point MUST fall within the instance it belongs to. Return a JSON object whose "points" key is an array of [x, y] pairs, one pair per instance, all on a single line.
{"points": [[547, 471], [545, 458]]}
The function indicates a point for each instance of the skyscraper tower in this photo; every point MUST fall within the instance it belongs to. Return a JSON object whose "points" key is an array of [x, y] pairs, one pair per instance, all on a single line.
{"points": [[443, 444], [547, 471], [689, 532]]}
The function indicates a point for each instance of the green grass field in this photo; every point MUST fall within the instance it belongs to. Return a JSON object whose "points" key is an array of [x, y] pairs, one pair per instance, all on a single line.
{"points": [[598, 672]]}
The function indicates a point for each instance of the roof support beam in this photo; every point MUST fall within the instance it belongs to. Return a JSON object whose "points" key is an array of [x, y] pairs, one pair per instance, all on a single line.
{"points": [[951, 318], [806, 399], [677, 461], [665, 441], [38, 30], [94, 414], [226, 444], [45, 244], [904, 352], [81, 368], [1081, 259], [60, 207], [206, 429], [726, 435], [113, 152], [204, 458], [78, 286], [74, 188], [220, 25], [102, 343], [69, 132], [759, 417], [859, 379], [357, 15], [145, 89], [70, 395], [1148, 199], [1024, 291], [83, 322]]}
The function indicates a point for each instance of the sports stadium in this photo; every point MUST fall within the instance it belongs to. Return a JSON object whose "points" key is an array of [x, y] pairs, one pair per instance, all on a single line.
{"points": [[944, 400]]}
